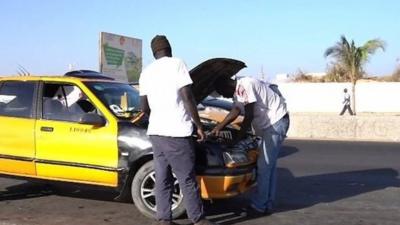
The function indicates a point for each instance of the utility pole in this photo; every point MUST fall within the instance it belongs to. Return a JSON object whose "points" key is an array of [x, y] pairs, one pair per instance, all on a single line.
{"points": [[262, 73]]}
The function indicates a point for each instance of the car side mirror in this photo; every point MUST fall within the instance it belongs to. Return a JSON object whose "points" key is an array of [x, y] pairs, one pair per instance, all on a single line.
{"points": [[93, 119]]}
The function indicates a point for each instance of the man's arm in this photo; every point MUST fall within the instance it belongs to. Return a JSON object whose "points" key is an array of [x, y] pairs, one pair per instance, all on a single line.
{"points": [[248, 118], [144, 104], [232, 115], [190, 105]]}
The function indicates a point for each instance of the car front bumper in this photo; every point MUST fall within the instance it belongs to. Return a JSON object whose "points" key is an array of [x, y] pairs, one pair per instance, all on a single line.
{"points": [[226, 186]]}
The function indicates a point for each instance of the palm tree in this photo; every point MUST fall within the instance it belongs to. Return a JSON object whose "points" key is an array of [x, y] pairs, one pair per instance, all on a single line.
{"points": [[353, 58]]}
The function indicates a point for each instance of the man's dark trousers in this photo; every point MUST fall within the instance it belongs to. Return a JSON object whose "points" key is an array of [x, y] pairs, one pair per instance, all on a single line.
{"points": [[178, 154], [346, 107]]}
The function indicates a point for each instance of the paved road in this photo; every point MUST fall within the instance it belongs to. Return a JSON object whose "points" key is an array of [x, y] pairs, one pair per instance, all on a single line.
{"points": [[320, 182]]}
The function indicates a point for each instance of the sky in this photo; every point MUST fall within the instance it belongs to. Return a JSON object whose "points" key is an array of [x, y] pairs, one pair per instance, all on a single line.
{"points": [[281, 36]]}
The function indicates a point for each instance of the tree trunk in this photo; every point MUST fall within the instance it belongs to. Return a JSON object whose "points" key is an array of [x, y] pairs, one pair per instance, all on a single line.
{"points": [[353, 97], [354, 78]]}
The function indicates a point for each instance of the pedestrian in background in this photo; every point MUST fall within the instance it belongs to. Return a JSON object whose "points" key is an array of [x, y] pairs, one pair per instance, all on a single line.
{"points": [[265, 109], [166, 96], [346, 103]]}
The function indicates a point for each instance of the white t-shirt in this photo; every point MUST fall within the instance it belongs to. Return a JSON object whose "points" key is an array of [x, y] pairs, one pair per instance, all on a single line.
{"points": [[269, 106], [160, 82], [346, 99]]}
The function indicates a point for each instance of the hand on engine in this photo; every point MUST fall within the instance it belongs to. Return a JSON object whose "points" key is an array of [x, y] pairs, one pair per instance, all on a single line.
{"points": [[215, 131], [201, 135]]}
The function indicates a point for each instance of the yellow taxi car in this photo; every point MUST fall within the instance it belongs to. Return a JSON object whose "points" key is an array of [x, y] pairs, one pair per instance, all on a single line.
{"points": [[86, 128]]}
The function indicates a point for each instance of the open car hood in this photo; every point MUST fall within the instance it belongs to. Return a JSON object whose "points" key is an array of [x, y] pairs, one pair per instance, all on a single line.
{"points": [[205, 74]]}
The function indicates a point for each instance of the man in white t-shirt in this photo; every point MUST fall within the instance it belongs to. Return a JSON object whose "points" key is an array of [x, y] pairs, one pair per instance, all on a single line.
{"points": [[166, 96], [265, 110]]}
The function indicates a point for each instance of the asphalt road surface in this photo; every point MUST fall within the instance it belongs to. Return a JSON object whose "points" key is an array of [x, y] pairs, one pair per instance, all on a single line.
{"points": [[320, 182]]}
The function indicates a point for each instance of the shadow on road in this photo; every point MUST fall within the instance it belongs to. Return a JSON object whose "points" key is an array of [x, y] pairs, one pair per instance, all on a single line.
{"points": [[293, 192], [303, 192], [38, 189], [287, 150], [34, 189], [24, 191]]}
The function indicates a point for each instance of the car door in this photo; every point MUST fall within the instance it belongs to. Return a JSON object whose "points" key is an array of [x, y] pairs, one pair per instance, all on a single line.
{"points": [[17, 126], [68, 150]]}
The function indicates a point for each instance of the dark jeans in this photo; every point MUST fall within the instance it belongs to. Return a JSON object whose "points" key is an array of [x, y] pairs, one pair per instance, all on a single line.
{"points": [[346, 107], [177, 155]]}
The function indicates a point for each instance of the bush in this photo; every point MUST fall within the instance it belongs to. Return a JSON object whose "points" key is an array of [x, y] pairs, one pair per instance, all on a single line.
{"points": [[337, 73], [396, 75]]}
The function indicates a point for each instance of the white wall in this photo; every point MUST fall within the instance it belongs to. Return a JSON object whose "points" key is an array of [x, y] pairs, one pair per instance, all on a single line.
{"points": [[328, 97], [378, 97]]}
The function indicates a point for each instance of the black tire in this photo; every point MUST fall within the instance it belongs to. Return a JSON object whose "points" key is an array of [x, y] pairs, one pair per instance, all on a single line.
{"points": [[142, 190]]}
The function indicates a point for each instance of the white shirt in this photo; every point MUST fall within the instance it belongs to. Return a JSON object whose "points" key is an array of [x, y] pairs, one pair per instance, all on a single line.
{"points": [[160, 82], [269, 106], [346, 99]]}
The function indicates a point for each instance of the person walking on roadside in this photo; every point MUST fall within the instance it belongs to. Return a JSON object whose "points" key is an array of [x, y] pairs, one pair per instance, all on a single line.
{"points": [[166, 96], [265, 109], [346, 103]]}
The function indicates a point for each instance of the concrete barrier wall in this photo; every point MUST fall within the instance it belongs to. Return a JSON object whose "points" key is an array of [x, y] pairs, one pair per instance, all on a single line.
{"points": [[314, 109], [371, 127], [328, 97]]}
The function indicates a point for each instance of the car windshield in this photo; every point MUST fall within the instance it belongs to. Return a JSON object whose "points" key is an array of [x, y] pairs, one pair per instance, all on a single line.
{"points": [[122, 99]]}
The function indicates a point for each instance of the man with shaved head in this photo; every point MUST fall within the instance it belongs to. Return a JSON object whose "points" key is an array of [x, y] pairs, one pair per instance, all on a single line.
{"points": [[166, 96]]}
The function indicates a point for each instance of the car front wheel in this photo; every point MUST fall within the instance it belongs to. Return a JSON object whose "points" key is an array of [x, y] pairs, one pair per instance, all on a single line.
{"points": [[143, 192]]}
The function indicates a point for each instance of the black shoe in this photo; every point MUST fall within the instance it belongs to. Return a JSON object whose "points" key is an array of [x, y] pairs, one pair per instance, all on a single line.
{"points": [[205, 222], [252, 212]]}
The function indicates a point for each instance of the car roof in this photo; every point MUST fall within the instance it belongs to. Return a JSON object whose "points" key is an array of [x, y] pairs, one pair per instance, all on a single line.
{"points": [[88, 74], [51, 78], [72, 76]]}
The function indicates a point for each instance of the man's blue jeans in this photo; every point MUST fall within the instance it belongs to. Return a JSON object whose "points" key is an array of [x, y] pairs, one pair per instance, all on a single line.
{"points": [[272, 140]]}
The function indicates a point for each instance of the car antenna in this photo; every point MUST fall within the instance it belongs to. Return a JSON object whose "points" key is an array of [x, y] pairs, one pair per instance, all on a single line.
{"points": [[23, 71]]}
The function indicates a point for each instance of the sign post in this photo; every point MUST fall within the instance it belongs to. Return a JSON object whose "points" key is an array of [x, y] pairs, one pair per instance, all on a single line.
{"points": [[120, 57]]}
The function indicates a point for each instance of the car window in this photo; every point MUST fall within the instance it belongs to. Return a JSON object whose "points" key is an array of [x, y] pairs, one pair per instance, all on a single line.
{"points": [[16, 99], [122, 99], [65, 102]]}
